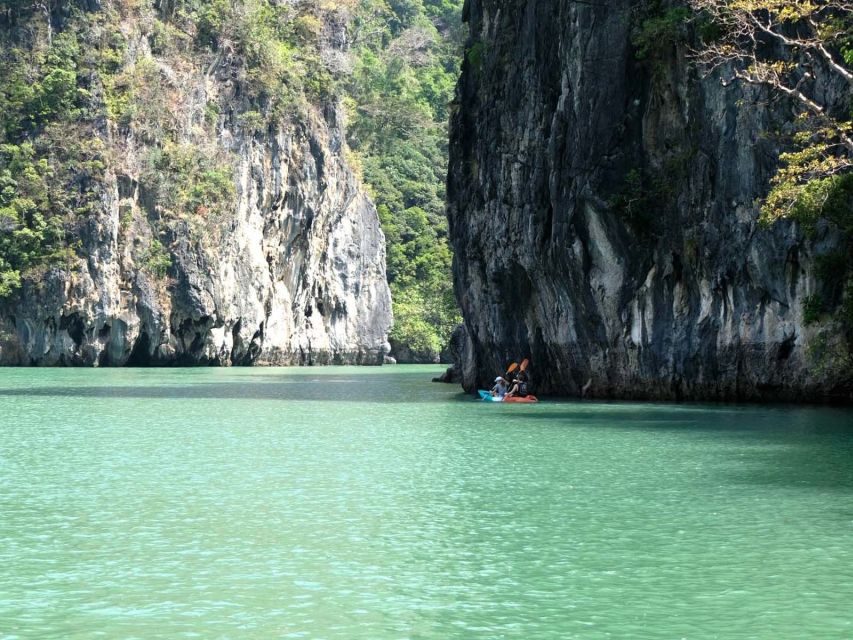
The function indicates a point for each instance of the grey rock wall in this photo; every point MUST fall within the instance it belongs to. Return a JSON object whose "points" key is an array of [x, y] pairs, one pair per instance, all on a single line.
{"points": [[693, 300]]}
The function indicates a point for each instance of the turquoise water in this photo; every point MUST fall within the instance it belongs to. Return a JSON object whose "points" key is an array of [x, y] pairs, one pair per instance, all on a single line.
{"points": [[370, 504]]}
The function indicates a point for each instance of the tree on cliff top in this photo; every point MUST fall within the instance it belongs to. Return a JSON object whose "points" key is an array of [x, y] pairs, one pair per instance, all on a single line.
{"points": [[803, 50]]}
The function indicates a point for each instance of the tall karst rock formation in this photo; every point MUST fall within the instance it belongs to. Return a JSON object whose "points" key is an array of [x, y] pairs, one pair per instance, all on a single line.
{"points": [[604, 219], [289, 270]]}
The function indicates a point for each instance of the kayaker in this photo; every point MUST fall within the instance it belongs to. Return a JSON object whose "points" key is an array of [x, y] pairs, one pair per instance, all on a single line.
{"points": [[509, 378], [519, 387], [499, 390]]}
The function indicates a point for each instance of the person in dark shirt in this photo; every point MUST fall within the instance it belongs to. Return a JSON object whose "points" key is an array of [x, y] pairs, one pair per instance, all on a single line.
{"points": [[519, 387]]}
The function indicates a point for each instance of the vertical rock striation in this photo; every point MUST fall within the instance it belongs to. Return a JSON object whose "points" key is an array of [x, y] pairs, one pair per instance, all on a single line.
{"points": [[558, 132], [293, 273], [296, 276]]}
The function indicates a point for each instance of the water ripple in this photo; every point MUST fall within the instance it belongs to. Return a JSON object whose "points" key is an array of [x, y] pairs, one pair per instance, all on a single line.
{"points": [[322, 504]]}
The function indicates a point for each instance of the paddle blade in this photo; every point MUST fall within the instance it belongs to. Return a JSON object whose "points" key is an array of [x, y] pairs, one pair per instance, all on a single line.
{"points": [[524, 364], [512, 368]]}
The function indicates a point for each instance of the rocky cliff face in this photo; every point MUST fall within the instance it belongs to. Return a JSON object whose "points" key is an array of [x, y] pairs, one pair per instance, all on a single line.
{"points": [[292, 273], [603, 216]]}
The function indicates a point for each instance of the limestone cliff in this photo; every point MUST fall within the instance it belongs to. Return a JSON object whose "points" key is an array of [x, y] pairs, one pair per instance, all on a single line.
{"points": [[291, 272], [558, 133]]}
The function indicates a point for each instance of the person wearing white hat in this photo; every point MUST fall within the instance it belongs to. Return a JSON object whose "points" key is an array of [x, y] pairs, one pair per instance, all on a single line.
{"points": [[499, 390]]}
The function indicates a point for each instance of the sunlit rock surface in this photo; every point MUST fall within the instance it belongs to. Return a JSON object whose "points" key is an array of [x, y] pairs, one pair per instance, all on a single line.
{"points": [[294, 274]]}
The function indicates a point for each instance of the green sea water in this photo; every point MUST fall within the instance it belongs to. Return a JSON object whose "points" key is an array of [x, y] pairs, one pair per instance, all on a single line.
{"points": [[358, 504]]}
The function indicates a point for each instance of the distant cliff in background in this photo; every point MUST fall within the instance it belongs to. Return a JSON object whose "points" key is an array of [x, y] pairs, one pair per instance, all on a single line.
{"points": [[176, 189], [604, 220]]}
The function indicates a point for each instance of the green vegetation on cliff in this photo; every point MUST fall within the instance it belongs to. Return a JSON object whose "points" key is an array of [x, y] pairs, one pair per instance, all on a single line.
{"points": [[407, 56], [50, 161]]}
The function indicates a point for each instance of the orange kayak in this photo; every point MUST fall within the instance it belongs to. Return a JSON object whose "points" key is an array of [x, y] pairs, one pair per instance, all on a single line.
{"points": [[522, 399]]}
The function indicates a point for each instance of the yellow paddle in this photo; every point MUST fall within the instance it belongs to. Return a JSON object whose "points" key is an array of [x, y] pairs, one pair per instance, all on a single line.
{"points": [[512, 368]]}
